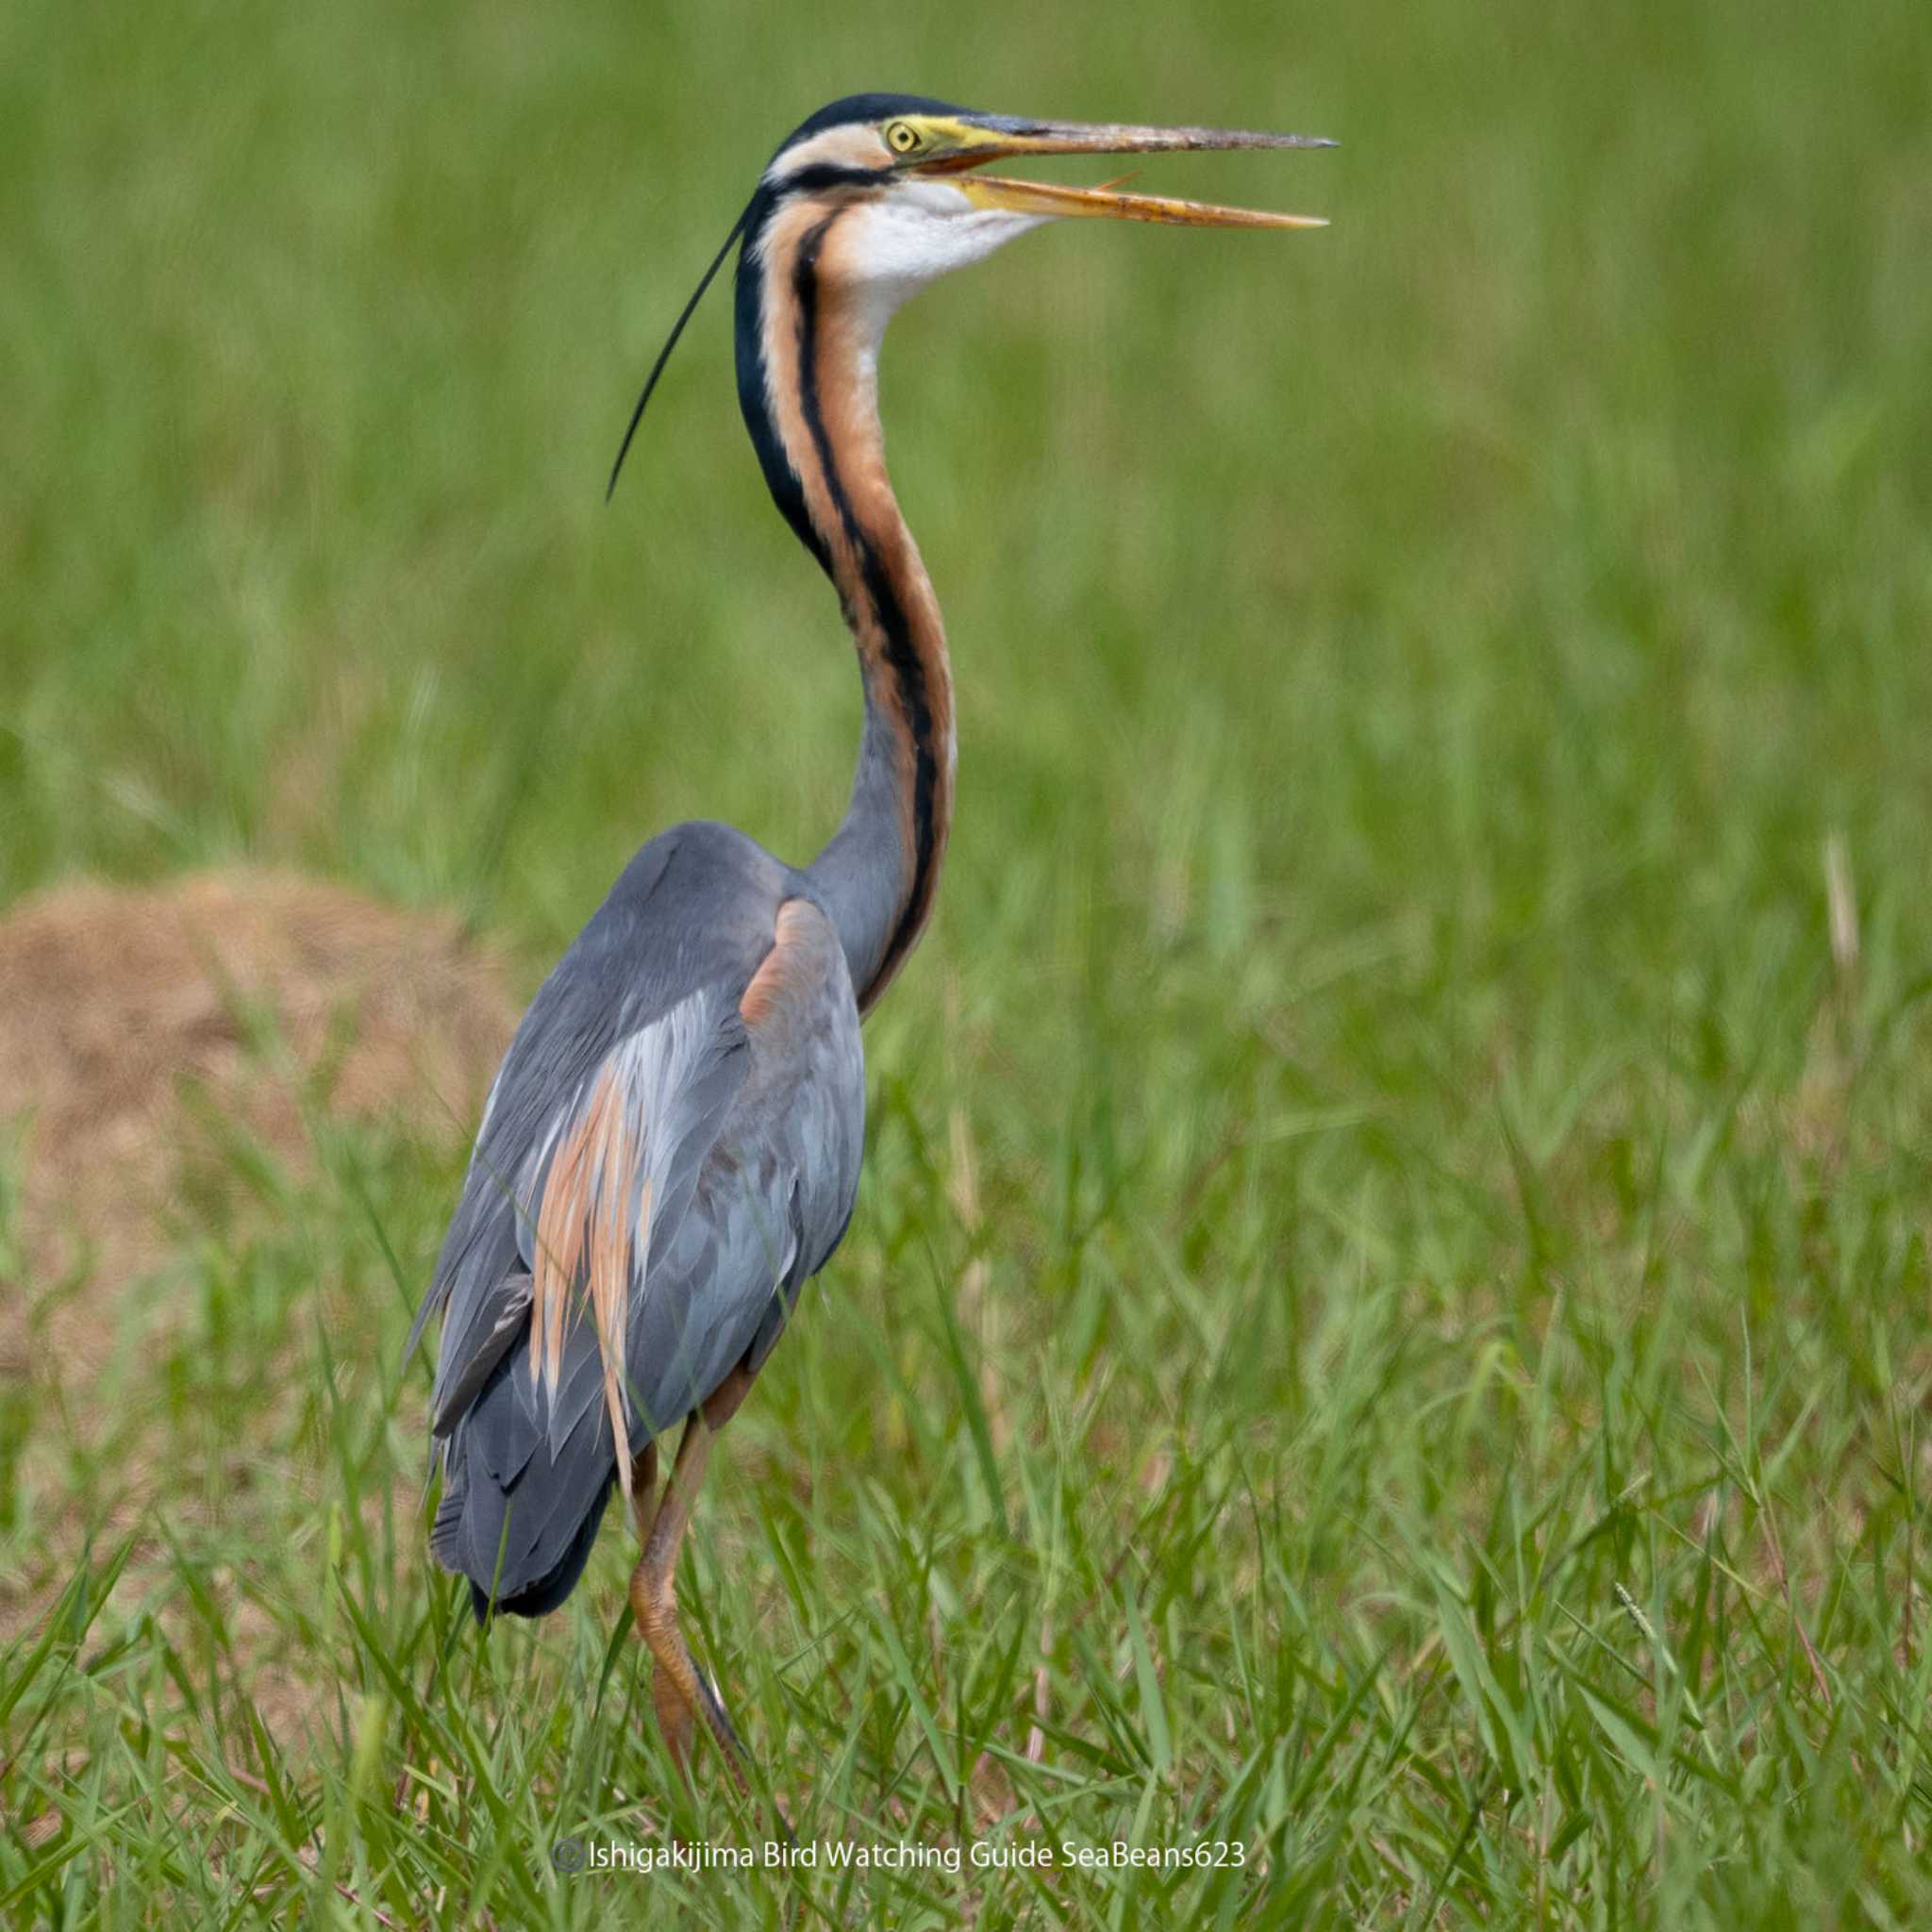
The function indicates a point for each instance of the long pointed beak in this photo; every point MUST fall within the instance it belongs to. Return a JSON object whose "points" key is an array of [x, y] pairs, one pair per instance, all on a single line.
{"points": [[991, 139]]}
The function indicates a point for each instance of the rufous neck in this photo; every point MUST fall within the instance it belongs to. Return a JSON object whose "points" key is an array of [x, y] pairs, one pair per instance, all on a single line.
{"points": [[808, 361]]}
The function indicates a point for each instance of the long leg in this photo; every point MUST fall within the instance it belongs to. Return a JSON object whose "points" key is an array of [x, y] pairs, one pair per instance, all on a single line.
{"points": [[644, 1490], [678, 1689]]}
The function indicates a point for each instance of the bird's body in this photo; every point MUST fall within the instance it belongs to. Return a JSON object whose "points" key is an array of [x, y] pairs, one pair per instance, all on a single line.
{"points": [[699, 1134], [672, 1147]]}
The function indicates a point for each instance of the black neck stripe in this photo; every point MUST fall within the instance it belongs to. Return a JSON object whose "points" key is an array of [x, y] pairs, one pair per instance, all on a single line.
{"points": [[754, 394], [901, 655]]}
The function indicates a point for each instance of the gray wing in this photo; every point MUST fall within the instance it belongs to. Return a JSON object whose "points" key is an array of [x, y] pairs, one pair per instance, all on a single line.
{"points": [[775, 1194], [669, 1151]]}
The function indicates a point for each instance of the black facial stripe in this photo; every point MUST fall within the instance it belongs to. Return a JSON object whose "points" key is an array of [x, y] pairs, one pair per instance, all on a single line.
{"points": [[823, 175]]}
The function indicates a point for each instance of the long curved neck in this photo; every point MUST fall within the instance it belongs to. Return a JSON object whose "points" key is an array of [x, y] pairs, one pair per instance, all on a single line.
{"points": [[807, 355]]}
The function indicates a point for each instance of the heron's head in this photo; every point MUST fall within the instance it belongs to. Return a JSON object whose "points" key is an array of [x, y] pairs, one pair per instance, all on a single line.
{"points": [[901, 175], [878, 195]]}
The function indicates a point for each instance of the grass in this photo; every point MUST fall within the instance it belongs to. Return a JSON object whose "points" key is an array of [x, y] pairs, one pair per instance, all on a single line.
{"points": [[1387, 1319]]}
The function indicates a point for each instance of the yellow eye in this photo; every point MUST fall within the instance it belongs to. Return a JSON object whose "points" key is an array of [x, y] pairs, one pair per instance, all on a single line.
{"points": [[902, 137]]}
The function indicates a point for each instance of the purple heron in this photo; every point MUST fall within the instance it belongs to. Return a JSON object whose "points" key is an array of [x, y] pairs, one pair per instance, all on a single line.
{"points": [[671, 1148]]}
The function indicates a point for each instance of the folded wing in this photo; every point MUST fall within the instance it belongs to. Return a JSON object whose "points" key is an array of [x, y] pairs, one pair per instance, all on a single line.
{"points": [[642, 1209]]}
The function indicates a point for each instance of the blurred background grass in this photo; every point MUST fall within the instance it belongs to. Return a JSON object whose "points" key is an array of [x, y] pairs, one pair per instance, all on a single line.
{"points": [[1378, 1154]]}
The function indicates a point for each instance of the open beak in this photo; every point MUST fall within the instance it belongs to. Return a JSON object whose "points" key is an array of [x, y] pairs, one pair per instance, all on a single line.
{"points": [[992, 138]]}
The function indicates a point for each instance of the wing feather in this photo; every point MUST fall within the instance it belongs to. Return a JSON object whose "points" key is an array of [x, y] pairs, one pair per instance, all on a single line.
{"points": [[636, 1135], [671, 1149]]}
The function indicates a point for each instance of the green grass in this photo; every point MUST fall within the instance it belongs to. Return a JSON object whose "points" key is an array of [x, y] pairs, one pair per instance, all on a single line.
{"points": [[1388, 1309]]}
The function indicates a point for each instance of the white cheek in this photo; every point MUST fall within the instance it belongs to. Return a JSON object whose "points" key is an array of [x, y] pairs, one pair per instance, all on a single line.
{"points": [[894, 248]]}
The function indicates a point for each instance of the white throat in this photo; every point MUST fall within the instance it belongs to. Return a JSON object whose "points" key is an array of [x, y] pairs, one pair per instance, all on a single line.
{"points": [[890, 248]]}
